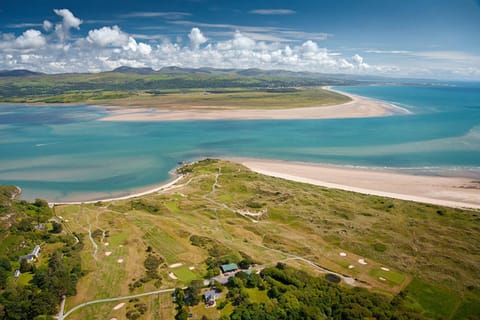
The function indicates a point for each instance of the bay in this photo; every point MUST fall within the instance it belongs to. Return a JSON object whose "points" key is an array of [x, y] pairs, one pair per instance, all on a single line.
{"points": [[66, 154]]}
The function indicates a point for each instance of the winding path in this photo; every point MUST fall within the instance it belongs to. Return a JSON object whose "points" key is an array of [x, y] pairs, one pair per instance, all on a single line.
{"points": [[62, 316]]}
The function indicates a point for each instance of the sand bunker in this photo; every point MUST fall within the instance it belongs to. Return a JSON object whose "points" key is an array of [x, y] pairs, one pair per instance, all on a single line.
{"points": [[342, 254], [106, 244], [385, 269], [120, 260], [172, 275], [382, 278], [119, 306], [108, 253], [362, 261], [176, 265], [191, 268], [351, 266]]}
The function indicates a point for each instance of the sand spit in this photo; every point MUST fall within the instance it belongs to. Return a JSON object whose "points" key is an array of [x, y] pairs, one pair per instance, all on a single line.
{"points": [[456, 192], [359, 107]]}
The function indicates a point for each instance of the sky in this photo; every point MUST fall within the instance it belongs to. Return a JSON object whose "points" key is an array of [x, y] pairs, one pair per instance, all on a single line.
{"points": [[437, 39]]}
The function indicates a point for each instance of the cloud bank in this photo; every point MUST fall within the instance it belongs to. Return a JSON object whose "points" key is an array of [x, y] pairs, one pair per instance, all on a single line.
{"points": [[52, 49]]}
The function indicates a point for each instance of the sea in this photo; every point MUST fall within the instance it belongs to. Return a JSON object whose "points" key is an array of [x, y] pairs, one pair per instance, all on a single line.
{"points": [[66, 154]]}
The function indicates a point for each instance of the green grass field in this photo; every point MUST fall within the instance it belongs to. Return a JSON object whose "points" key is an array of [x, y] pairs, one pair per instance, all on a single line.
{"points": [[301, 220]]}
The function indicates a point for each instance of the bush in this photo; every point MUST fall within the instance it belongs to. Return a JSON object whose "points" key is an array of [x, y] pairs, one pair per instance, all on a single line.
{"points": [[380, 247]]}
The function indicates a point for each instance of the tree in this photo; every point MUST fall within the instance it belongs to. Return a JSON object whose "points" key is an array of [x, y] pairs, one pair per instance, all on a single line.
{"points": [[56, 227], [25, 225], [41, 203], [3, 279], [5, 264], [182, 314], [25, 266]]}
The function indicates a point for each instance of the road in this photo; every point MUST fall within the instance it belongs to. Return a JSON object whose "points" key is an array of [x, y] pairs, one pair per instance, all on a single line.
{"points": [[62, 316]]}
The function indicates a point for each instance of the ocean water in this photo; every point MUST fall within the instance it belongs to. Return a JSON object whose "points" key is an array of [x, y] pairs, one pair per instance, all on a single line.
{"points": [[66, 154]]}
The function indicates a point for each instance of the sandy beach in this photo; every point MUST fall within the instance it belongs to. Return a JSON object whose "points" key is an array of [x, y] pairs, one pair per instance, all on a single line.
{"points": [[162, 187], [359, 107], [445, 191]]}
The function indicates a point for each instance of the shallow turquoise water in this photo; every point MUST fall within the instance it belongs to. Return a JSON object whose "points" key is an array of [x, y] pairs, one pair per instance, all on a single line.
{"points": [[64, 153]]}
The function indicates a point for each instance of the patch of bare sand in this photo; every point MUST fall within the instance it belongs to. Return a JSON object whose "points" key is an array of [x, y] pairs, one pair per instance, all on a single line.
{"points": [[445, 191], [119, 306], [358, 107]]}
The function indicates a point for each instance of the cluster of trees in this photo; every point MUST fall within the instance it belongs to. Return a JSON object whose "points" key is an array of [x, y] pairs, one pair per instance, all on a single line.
{"points": [[151, 264], [50, 282], [294, 294], [138, 309], [23, 227]]}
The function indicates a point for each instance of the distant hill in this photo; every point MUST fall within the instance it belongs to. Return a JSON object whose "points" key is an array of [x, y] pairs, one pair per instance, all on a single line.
{"points": [[18, 73], [125, 69]]}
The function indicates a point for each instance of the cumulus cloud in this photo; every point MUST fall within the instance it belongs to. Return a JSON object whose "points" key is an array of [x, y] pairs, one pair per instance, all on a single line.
{"points": [[108, 36], [141, 47], [358, 61], [196, 37], [69, 21], [109, 47], [30, 39]]}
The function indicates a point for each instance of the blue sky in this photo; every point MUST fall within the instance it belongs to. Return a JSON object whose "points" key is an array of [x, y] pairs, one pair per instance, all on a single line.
{"points": [[422, 38]]}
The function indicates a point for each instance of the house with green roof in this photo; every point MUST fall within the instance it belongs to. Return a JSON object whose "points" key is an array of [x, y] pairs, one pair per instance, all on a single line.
{"points": [[230, 267]]}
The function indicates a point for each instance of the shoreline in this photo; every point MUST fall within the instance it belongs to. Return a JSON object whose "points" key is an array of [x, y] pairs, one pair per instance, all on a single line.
{"points": [[358, 107], [451, 191], [454, 192], [162, 187]]}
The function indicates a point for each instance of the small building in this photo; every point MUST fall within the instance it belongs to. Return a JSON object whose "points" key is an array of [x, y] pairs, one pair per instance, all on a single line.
{"points": [[209, 296], [230, 267], [36, 251], [31, 256], [17, 273]]}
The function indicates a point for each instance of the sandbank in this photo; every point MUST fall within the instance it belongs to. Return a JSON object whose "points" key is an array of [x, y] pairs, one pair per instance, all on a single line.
{"points": [[358, 107], [454, 192]]}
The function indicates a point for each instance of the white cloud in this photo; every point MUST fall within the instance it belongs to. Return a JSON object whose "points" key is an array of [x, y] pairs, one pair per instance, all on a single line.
{"points": [[23, 25], [448, 55], [30, 39], [388, 51], [156, 14], [242, 42], [279, 34], [69, 21], [358, 61], [110, 47], [108, 36], [142, 48], [47, 25], [196, 37], [272, 11], [243, 47]]}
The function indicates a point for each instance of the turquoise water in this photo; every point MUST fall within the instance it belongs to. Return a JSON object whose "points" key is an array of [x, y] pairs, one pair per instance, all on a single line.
{"points": [[65, 153]]}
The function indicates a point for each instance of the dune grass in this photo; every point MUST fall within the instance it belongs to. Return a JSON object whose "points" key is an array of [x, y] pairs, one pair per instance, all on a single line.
{"points": [[315, 223]]}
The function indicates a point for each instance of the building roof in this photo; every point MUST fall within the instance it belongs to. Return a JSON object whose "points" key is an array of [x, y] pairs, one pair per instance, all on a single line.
{"points": [[209, 294], [36, 250], [229, 267]]}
